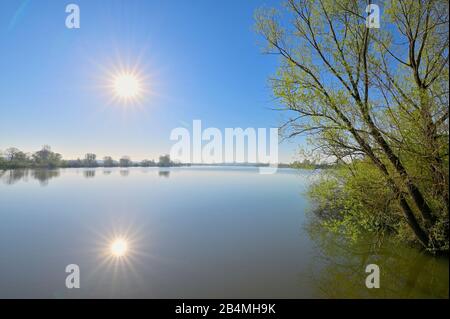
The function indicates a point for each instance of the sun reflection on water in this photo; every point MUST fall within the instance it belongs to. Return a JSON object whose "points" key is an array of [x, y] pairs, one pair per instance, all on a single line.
{"points": [[122, 257], [119, 253]]}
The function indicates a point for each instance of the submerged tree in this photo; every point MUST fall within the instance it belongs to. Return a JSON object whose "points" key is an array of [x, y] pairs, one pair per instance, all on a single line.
{"points": [[377, 95]]}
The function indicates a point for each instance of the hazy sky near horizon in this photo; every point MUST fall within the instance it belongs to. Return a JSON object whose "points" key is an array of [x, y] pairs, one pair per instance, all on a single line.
{"points": [[201, 59]]}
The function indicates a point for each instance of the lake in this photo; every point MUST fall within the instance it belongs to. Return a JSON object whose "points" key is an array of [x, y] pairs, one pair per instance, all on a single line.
{"points": [[190, 232]]}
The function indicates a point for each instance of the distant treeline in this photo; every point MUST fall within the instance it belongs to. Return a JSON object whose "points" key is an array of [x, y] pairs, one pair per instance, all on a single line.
{"points": [[308, 164], [14, 158]]}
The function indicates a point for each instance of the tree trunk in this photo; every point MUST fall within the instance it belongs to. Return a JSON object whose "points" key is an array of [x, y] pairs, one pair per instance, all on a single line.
{"points": [[413, 190], [411, 219]]}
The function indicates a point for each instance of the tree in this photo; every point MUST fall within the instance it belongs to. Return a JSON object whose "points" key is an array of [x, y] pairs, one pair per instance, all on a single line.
{"points": [[147, 163], [15, 158], [165, 161], [75, 163], [376, 94], [125, 161], [2, 160], [46, 158], [108, 161], [90, 160], [14, 154]]}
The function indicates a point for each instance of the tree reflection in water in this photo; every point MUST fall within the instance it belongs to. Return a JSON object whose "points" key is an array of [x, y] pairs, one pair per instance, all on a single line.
{"points": [[11, 177], [338, 271], [164, 173], [89, 173], [44, 175]]}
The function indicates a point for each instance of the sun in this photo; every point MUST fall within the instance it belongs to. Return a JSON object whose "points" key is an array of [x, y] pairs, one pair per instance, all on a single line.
{"points": [[119, 247], [127, 86]]}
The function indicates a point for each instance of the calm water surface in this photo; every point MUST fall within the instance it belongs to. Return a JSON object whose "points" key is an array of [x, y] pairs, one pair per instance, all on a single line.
{"points": [[191, 233]]}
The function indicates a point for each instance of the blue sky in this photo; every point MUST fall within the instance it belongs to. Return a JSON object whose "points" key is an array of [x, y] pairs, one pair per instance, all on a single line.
{"points": [[202, 60]]}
